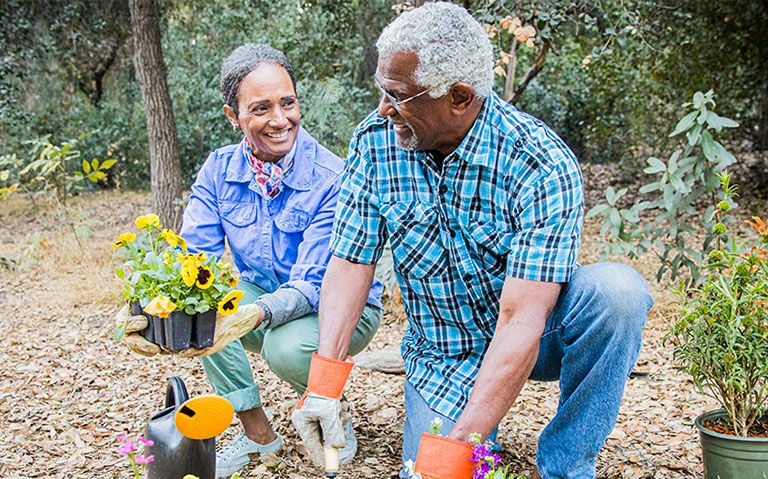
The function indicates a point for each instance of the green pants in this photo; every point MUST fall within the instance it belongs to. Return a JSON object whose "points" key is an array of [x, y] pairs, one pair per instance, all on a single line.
{"points": [[287, 350]]}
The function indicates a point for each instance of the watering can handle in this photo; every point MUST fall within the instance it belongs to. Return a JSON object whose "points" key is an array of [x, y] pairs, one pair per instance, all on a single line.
{"points": [[175, 393]]}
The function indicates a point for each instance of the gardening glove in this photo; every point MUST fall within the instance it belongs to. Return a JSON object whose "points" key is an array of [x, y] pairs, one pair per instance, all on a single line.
{"points": [[317, 417], [228, 328], [131, 337]]}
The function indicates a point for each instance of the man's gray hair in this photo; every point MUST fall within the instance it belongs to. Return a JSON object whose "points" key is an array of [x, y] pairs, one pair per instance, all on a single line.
{"points": [[451, 46], [242, 61]]}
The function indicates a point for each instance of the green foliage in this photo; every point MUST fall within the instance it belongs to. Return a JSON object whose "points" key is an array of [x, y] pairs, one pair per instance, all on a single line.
{"points": [[57, 169], [688, 176], [721, 338], [156, 266]]}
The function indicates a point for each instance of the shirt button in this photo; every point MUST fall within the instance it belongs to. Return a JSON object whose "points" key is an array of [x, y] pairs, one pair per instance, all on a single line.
{"points": [[519, 143], [443, 189], [468, 277], [401, 230]]}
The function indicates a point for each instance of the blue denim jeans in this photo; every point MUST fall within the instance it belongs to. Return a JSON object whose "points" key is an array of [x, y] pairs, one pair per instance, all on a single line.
{"points": [[590, 343]]}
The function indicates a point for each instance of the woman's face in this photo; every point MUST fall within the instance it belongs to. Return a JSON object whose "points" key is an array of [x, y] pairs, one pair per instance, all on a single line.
{"points": [[268, 111]]}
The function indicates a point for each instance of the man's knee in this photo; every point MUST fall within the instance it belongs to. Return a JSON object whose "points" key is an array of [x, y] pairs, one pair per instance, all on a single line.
{"points": [[618, 291]]}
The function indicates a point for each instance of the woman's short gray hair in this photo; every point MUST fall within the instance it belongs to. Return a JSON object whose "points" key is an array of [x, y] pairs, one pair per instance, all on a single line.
{"points": [[242, 61], [451, 46]]}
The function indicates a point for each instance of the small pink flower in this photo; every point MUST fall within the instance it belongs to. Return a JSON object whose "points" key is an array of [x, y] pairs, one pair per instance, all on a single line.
{"points": [[122, 437], [127, 448], [141, 460], [146, 442]]}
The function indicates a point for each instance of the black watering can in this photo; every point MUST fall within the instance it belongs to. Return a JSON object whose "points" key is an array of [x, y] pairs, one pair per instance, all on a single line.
{"points": [[184, 433]]}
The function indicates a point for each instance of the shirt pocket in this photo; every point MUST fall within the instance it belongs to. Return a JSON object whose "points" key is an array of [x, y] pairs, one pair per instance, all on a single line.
{"points": [[414, 233], [292, 220], [238, 214]]}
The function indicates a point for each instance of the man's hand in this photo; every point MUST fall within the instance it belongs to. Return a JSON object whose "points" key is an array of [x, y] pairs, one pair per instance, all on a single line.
{"points": [[318, 415], [228, 328], [318, 421]]}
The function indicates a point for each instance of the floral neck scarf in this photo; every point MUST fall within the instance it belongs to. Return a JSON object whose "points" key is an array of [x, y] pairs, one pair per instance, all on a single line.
{"points": [[269, 176]]}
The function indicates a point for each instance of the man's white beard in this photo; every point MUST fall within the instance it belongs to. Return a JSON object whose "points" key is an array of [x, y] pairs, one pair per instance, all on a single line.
{"points": [[409, 144]]}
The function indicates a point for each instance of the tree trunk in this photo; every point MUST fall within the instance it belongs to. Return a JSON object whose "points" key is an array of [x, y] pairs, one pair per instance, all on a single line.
{"points": [[151, 73]]}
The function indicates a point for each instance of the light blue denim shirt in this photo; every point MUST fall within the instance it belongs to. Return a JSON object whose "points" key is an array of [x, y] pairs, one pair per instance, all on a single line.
{"points": [[277, 244]]}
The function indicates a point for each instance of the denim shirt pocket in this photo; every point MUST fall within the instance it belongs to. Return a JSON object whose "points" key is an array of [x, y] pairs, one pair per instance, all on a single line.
{"points": [[240, 223], [414, 233], [292, 220]]}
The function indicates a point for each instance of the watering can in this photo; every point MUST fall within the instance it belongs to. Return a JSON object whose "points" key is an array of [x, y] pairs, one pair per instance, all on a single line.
{"points": [[184, 433]]}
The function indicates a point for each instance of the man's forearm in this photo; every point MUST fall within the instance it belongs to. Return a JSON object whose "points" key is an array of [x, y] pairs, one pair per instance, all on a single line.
{"points": [[506, 366], [343, 295]]}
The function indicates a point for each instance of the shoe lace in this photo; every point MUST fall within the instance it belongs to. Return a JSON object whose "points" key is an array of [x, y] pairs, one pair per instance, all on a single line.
{"points": [[233, 448]]}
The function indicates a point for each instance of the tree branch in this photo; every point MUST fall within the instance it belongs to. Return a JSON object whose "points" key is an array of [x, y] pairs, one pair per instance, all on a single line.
{"points": [[538, 65]]}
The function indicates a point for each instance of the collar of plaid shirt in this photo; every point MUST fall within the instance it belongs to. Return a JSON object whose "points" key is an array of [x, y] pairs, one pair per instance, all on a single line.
{"points": [[269, 176]]}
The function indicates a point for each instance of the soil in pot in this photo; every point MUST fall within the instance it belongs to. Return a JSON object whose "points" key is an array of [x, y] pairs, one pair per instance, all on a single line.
{"points": [[731, 456], [721, 425], [178, 330], [147, 333], [203, 329]]}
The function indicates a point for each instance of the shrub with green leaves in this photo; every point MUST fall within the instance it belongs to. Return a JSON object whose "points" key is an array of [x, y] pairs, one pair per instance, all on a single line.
{"points": [[58, 170], [670, 209], [721, 338]]}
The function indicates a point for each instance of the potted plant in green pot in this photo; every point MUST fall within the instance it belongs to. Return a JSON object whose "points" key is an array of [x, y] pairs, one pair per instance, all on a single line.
{"points": [[721, 340]]}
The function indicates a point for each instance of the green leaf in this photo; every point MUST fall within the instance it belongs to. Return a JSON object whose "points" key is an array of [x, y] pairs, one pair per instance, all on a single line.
{"points": [[107, 164], [86, 166], [708, 146], [597, 210], [120, 273], [93, 177], [100, 175], [95, 163], [630, 215], [719, 122], [656, 166], [685, 123], [649, 187], [615, 217], [202, 307], [694, 135], [677, 183], [698, 100], [119, 333]]}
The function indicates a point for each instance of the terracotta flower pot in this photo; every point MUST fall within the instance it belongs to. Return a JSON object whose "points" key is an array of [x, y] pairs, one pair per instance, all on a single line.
{"points": [[178, 330], [731, 456], [443, 458], [203, 329]]}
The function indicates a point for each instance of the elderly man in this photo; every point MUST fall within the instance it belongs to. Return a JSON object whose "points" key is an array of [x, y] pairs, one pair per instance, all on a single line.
{"points": [[483, 207]]}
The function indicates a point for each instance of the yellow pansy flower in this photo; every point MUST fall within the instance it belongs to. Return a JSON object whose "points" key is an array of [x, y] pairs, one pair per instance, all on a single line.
{"points": [[204, 278], [189, 272], [173, 239], [228, 304], [232, 281], [150, 221], [160, 306], [123, 240]]}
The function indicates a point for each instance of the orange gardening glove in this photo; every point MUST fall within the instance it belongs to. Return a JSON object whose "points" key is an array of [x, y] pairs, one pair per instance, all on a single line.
{"points": [[317, 415], [442, 458]]}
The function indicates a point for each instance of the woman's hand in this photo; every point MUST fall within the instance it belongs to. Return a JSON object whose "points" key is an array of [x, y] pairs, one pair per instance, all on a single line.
{"points": [[228, 329]]}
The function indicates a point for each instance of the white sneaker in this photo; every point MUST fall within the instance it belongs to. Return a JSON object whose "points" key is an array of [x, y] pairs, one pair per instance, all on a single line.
{"points": [[347, 453], [234, 456]]}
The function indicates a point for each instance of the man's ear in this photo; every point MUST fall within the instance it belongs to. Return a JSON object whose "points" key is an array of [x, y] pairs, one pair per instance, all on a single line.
{"points": [[232, 117], [461, 95]]}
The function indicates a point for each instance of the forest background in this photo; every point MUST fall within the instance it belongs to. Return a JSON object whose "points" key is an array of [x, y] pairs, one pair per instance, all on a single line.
{"points": [[614, 74]]}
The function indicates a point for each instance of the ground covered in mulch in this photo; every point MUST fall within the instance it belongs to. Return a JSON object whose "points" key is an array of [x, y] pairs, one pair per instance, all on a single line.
{"points": [[67, 391]]}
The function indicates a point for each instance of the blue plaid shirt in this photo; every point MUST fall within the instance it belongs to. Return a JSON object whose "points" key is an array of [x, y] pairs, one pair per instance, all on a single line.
{"points": [[507, 202]]}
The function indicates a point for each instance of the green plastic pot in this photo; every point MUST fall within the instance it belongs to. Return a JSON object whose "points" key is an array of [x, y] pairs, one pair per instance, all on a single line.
{"points": [[731, 457]]}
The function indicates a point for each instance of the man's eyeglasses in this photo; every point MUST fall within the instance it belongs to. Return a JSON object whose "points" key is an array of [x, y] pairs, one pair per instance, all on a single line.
{"points": [[397, 104]]}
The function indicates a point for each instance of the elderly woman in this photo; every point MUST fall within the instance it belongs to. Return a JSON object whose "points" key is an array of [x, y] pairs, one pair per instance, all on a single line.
{"points": [[272, 197]]}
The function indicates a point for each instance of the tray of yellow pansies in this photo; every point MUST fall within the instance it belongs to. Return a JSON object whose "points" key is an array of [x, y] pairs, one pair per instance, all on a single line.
{"points": [[179, 292]]}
